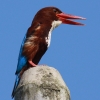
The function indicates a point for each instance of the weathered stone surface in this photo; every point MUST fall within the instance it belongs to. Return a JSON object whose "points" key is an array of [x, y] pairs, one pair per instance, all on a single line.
{"points": [[42, 83]]}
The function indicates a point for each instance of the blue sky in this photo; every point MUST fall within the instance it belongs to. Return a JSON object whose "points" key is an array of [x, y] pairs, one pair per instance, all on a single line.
{"points": [[74, 50]]}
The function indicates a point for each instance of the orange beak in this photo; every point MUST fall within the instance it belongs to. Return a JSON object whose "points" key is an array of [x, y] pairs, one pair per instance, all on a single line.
{"points": [[66, 19]]}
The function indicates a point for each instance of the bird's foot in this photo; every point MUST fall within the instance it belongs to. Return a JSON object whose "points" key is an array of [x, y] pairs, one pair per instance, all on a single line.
{"points": [[31, 63]]}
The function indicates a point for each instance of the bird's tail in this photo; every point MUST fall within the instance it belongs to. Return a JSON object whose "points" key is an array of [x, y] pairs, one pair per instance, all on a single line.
{"points": [[15, 85]]}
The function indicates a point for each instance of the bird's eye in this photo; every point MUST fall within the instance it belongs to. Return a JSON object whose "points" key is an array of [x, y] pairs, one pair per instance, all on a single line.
{"points": [[55, 10]]}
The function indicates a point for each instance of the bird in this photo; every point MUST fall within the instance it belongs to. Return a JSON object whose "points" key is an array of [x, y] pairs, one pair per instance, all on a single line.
{"points": [[38, 37]]}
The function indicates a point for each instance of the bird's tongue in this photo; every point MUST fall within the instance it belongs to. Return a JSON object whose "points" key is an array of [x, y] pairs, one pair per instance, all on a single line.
{"points": [[65, 18]]}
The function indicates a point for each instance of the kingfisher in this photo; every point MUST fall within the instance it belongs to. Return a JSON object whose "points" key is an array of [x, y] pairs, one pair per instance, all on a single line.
{"points": [[38, 36]]}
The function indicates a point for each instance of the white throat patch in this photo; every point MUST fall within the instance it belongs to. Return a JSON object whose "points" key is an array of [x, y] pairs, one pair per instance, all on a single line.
{"points": [[54, 25]]}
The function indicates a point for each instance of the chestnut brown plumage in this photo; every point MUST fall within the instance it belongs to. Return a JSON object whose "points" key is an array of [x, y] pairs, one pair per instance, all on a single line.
{"points": [[38, 36]]}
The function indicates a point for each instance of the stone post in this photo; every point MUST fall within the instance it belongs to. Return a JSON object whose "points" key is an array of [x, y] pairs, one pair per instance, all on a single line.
{"points": [[42, 83]]}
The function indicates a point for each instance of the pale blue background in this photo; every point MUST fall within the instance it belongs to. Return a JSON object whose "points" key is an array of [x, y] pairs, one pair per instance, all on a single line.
{"points": [[74, 50]]}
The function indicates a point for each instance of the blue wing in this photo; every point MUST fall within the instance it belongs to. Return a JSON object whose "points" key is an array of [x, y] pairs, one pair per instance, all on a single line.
{"points": [[22, 60], [21, 63]]}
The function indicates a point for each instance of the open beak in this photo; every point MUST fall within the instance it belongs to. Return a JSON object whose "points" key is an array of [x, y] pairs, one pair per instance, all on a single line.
{"points": [[68, 19]]}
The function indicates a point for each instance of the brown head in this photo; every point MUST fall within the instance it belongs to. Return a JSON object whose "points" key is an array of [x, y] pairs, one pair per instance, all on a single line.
{"points": [[50, 14], [39, 33]]}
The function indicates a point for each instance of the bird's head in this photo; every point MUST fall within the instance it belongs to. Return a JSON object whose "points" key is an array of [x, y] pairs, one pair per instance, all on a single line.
{"points": [[55, 16]]}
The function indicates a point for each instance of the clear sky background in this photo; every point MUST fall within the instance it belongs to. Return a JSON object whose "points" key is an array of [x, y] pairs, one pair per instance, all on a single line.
{"points": [[74, 50]]}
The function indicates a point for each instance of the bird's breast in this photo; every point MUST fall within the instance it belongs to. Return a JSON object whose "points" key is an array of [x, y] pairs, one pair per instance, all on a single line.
{"points": [[54, 24], [48, 39]]}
